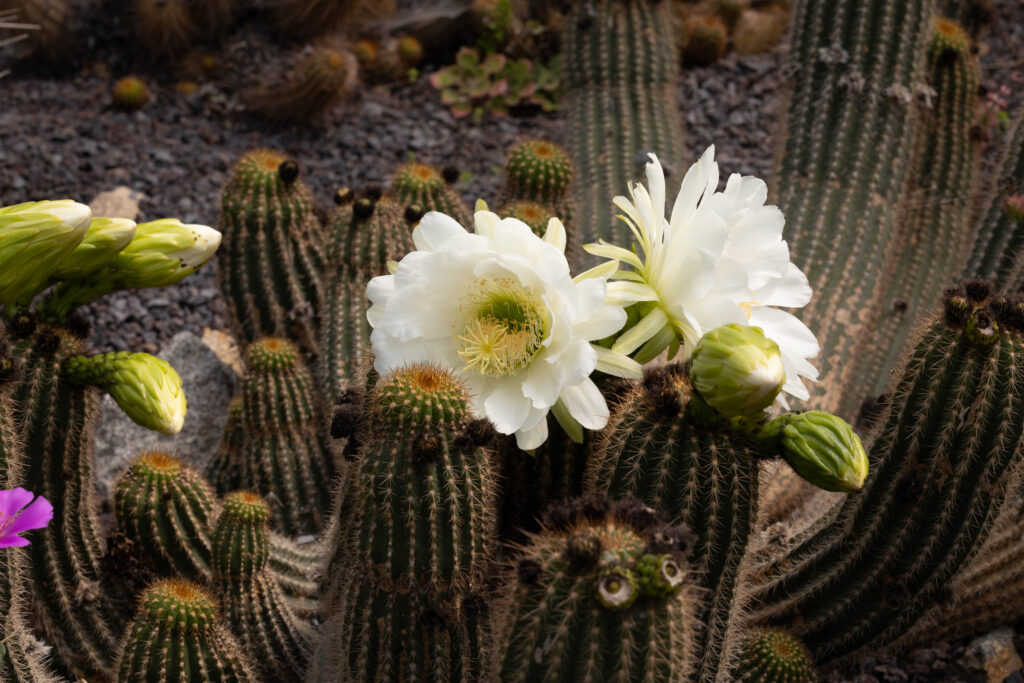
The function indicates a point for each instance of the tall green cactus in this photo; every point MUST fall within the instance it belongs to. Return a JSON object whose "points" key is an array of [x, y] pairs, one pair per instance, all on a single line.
{"points": [[285, 454], [167, 510], [272, 265], [21, 660], [850, 142], [226, 469], [602, 593], [365, 234], [177, 636], [999, 243], [654, 451], [423, 185], [413, 541], [931, 241], [276, 641], [621, 68], [948, 452], [64, 567]]}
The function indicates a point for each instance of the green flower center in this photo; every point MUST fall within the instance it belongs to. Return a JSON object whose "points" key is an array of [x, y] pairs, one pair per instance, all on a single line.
{"points": [[503, 327]]}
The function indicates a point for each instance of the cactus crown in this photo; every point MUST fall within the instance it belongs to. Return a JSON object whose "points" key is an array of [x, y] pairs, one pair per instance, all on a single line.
{"points": [[625, 547], [775, 655], [415, 177], [272, 354], [423, 395], [537, 164], [267, 166], [246, 507], [971, 307], [156, 465], [182, 605], [949, 35], [534, 214]]}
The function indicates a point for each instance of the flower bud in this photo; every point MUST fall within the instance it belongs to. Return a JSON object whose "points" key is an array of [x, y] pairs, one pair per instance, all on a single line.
{"points": [[821, 448], [35, 237], [737, 370], [146, 388], [104, 239]]}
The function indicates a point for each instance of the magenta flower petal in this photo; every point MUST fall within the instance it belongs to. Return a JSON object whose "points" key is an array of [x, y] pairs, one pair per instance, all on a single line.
{"points": [[13, 542], [36, 516], [12, 500]]}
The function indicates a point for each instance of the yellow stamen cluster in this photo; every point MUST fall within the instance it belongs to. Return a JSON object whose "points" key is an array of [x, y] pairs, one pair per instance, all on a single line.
{"points": [[504, 329]]}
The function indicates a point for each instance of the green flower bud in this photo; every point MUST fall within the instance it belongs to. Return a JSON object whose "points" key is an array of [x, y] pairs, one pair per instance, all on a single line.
{"points": [[34, 238], [821, 448], [737, 370], [146, 388], [104, 239], [616, 588], [659, 575], [162, 253]]}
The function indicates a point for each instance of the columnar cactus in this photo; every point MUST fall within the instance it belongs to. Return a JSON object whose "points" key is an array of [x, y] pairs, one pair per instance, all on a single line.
{"points": [[424, 186], [851, 142], [276, 641], [602, 593], [271, 267], [226, 469], [177, 636], [533, 214], [167, 510], [64, 567], [931, 242], [999, 244], [948, 452], [774, 656], [654, 451], [284, 450], [622, 70], [413, 540], [540, 171], [365, 234]]}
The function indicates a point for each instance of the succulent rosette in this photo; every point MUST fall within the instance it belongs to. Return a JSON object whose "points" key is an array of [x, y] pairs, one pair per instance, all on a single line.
{"points": [[500, 307], [719, 258]]}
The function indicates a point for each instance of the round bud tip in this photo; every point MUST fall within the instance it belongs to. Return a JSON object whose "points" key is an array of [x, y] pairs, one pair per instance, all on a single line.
{"points": [[363, 208], [271, 354], [423, 394], [156, 464], [179, 604], [450, 174], [344, 195], [616, 589], [247, 507], [737, 370], [659, 575], [822, 448], [413, 213], [288, 172]]}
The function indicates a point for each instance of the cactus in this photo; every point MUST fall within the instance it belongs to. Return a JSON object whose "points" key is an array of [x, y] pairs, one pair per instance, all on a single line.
{"points": [[705, 37], [130, 93], [931, 244], [304, 19], [284, 453], [622, 73], [297, 568], [166, 509], [164, 27], [366, 233], [655, 451], [760, 30], [948, 452], [851, 143], [21, 659], [998, 255], [276, 641], [971, 14], [226, 469], [774, 656], [64, 567], [414, 539], [316, 84], [420, 184], [602, 593], [271, 268], [533, 214], [177, 636], [540, 171]]}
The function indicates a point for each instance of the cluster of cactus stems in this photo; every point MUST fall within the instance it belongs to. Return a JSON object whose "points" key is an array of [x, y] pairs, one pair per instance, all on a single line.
{"points": [[621, 71], [421, 185]]}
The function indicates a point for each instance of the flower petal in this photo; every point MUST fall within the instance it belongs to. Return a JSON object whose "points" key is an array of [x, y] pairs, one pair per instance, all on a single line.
{"points": [[586, 404], [507, 407], [36, 516], [528, 439], [12, 500]]}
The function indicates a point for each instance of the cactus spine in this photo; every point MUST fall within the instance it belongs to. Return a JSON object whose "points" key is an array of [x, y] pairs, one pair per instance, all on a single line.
{"points": [[423, 185], [64, 565], [999, 244], [177, 636], [851, 141], [167, 509], [413, 540], [931, 243], [600, 594], [653, 451], [285, 455], [365, 234], [774, 656], [622, 72], [948, 452], [271, 266], [274, 638]]}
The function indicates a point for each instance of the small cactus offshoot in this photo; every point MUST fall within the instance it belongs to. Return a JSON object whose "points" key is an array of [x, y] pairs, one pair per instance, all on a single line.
{"points": [[130, 93], [705, 38], [774, 656]]}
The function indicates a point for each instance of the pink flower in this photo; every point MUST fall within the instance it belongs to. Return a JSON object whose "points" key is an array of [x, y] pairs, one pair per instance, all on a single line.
{"points": [[15, 520]]}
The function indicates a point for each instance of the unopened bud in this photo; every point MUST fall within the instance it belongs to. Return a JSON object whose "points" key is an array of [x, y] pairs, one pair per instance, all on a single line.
{"points": [[737, 370]]}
